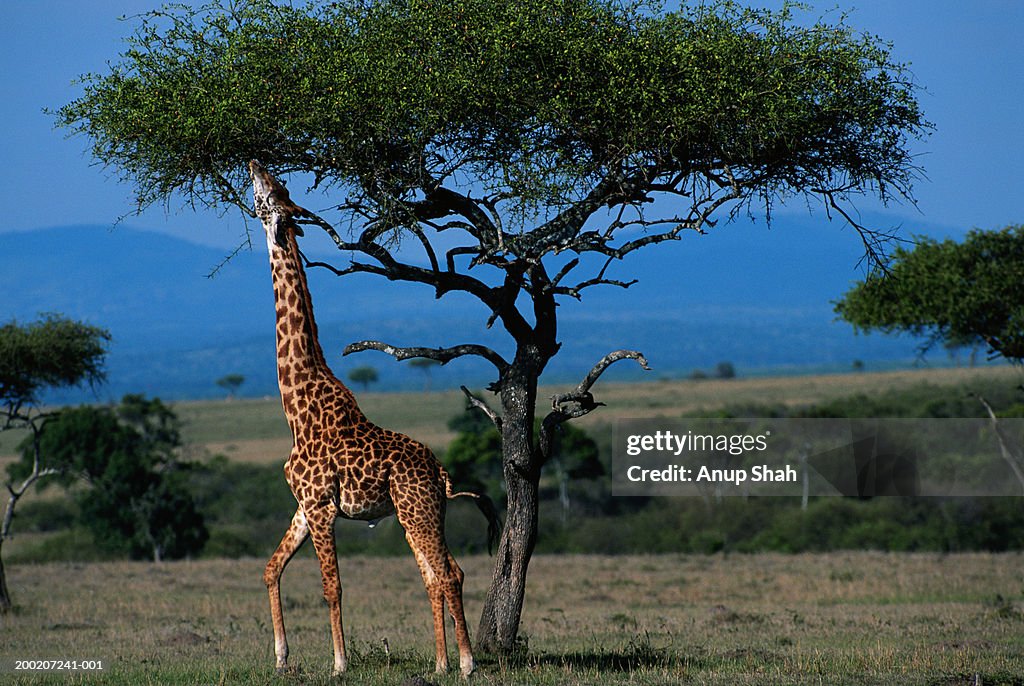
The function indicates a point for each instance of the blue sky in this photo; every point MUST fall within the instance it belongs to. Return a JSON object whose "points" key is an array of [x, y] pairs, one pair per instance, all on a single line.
{"points": [[776, 286], [965, 55]]}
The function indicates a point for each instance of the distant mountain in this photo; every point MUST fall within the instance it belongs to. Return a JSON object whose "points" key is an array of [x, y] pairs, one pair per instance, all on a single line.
{"points": [[758, 298]]}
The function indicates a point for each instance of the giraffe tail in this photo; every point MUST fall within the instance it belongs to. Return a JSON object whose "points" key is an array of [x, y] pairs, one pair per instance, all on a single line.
{"points": [[486, 506]]}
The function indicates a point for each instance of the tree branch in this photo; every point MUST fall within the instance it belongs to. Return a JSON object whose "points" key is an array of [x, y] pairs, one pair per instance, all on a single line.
{"points": [[599, 280], [1011, 457], [483, 407], [580, 401], [874, 241], [557, 233], [442, 281], [581, 394], [442, 355]]}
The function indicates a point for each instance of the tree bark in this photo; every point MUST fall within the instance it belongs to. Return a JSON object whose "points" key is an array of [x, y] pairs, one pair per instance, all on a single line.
{"points": [[14, 495], [503, 607], [5, 596]]}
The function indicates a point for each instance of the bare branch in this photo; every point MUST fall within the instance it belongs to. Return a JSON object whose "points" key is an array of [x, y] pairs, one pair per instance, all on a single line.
{"points": [[581, 395], [700, 216], [875, 241], [483, 407], [392, 269], [1013, 458], [580, 401], [449, 256], [564, 271], [442, 355], [599, 280]]}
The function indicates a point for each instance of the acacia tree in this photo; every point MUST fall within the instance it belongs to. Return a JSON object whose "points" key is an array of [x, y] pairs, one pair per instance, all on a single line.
{"points": [[523, 148], [949, 292], [955, 293], [364, 376], [54, 352], [231, 383]]}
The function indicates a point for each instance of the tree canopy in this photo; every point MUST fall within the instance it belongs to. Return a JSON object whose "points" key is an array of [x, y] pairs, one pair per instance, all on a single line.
{"points": [[555, 109], [949, 291], [364, 376], [231, 383], [52, 352]]}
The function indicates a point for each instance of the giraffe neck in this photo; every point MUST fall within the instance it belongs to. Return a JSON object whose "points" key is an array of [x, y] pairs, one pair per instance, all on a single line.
{"points": [[298, 344], [301, 366]]}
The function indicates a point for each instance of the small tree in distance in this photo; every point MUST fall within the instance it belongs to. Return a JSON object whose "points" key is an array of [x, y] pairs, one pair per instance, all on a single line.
{"points": [[524, 148], [54, 352], [364, 376], [231, 383]]}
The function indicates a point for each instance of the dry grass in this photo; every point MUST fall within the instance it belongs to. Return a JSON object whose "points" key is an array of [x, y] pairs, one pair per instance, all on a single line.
{"points": [[842, 618], [675, 397], [760, 619]]}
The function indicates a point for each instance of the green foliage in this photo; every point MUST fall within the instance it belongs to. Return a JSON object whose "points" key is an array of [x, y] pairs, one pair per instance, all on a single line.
{"points": [[534, 99], [53, 352], [137, 501], [474, 459], [958, 293]]}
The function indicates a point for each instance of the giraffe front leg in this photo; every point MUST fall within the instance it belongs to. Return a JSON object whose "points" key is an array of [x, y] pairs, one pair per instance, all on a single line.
{"points": [[296, 535], [322, 531]]}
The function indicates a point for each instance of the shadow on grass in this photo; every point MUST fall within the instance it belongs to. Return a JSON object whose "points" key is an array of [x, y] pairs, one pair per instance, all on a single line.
{"points": [[629, 659]]}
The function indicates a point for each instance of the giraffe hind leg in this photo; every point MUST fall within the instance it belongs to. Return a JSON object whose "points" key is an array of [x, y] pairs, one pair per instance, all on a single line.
{"points": [[459, 618], [443, 580], [296, 535], [436, 606]]}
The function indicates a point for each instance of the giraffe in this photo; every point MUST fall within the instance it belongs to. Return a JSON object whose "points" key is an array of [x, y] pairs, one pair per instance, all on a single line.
{"points": [[341, 464]]}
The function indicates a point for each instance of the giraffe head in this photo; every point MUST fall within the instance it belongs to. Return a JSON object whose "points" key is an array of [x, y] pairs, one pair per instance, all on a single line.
{"points": [[274, 207]]}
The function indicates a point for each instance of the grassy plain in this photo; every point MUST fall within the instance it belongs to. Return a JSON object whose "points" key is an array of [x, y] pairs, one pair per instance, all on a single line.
{"points": [[840, 618], [255, 430]]}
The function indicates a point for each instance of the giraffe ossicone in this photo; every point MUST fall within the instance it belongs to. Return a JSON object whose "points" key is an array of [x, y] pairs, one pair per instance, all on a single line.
{"points": [[341, 464]]}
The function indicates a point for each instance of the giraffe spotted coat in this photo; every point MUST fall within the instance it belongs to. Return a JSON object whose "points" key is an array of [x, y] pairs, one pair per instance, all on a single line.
{"points": [[341, 464]]}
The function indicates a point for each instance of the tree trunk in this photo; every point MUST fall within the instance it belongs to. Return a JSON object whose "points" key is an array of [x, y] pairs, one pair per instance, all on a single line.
{"points": [[5, 596], [503, 607]]}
